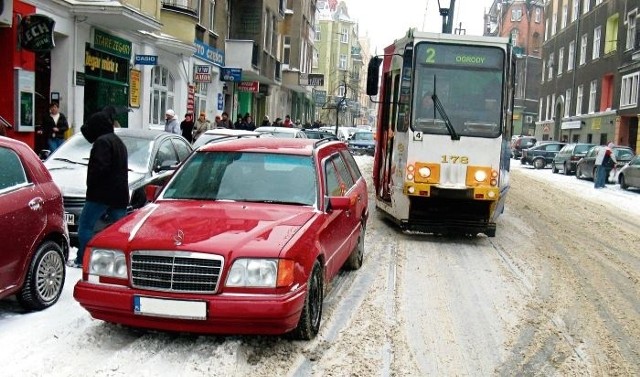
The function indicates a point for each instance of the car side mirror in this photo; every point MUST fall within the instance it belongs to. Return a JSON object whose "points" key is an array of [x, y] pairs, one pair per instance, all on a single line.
{"points": [[167, 165], [44, 154], [151, 192], [373, 72], [338, 203]]}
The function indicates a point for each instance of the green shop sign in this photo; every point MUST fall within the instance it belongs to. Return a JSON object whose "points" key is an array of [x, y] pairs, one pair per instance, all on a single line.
{"points": [[111, 44]]}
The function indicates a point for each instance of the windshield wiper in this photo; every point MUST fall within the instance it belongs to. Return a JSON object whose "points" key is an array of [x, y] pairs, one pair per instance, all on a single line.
{"points": [[438, 106], [70, 161], [272, 201]]}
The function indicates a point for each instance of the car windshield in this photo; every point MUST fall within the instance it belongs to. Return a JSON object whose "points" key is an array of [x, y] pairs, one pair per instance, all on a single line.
{"points": [[77, 150], [582, 148], [623, 153], [246, 176], [368, 136]]}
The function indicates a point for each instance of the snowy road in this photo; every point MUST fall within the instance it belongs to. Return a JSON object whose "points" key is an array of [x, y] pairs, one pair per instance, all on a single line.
{"points": [[556, 292]]}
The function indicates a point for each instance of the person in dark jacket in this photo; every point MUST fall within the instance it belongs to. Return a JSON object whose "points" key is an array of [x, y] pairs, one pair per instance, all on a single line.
{"points": [[107, 195], [54, 126], [186, 126]]}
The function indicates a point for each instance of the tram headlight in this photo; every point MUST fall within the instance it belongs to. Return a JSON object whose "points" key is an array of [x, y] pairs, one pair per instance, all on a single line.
{"points": [[424, 172], [480, 175], [409, 177]]}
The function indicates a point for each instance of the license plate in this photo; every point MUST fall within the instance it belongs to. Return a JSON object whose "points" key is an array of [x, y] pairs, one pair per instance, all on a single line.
{"points": [[70, 218], [158, 307]]}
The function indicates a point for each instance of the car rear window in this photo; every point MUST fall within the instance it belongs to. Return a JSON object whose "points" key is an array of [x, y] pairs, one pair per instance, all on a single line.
{"points": [[582, 148]]}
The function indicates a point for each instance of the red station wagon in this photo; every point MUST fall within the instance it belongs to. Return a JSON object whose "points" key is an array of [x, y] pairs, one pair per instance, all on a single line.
{"points": [[34, 236], [242, 240]]}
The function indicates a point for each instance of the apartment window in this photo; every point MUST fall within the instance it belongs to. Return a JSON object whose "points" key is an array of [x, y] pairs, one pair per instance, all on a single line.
{"points": [[598, 2], [585, 6], [201, 97], [596, 42], [611, 37], [567, 103], [548, 115], [268, 29], [318, 37], [565, 15], [286, 51], [574, 11], [540, 107], [316, 58], [343, 62], [592, 96], [579, 100], [162, 93], [212, 13], [342, 90], [514, 36], [553, 106], [631, 31], [544, 65], [344, 35], [554, 24], [560, 60], [583, 49], [538, 15], [274, 35], [629, 90], [550, 67], [516, 14], [606, 92], [571, 58], [546, 29]]}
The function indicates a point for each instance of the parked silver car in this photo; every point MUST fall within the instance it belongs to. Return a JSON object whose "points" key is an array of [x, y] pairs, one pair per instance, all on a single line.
{"points": [[629, 175]]}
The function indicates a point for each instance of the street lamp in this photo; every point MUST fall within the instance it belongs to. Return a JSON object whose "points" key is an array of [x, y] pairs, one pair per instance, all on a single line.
{"points": [[447, 16]]}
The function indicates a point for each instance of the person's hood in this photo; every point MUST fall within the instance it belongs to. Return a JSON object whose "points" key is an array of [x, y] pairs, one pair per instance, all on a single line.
{"points": [[98, 124]]}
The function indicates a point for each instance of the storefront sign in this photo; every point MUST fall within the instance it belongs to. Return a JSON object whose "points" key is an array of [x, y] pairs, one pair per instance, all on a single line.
{"points": [[231, 74], [220, 101], [311, 79], [209, 54], [202, 73], [25, 89], [80, 78], [320, 97], [106, 66], [571, 125], [111, 44], [134, 88], [191, 99], [146, 59], [248, 86], [36, 33]]}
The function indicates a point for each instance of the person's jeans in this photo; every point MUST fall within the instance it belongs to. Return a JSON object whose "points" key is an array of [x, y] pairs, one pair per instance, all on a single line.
{"points": [[92, 212], [601, 176], [54, 143]]}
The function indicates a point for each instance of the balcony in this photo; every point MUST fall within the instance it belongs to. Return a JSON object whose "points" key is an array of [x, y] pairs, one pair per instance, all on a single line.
{"points": [[188, 7], [107, 14]]}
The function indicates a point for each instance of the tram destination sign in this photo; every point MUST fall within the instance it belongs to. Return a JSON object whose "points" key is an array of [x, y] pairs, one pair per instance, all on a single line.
{"points": [[460, 55]]}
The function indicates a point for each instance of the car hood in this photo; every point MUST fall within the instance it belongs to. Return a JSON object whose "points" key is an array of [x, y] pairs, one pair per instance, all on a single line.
{"points": [[221, 227], [72, 179]]}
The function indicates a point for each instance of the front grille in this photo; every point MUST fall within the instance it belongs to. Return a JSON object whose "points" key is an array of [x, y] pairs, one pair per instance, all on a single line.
{"points": [[176, 271], [73, 201]]}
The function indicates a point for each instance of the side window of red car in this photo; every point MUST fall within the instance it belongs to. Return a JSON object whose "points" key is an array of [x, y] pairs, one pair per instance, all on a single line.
{"points": [[12, 173], [345, 175], [353, 165], [332, 181]]}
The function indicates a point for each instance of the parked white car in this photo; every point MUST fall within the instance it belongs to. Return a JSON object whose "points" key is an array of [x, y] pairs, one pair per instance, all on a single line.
{"points": [[282, 132]]}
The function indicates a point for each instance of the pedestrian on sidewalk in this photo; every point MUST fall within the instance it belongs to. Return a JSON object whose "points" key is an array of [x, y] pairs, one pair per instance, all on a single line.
{"points": [[605, 161], [54, 127]]}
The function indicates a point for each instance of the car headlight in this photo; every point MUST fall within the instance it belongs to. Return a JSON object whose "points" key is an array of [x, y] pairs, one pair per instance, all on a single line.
{"points": [[107, 262], [262, 273]]}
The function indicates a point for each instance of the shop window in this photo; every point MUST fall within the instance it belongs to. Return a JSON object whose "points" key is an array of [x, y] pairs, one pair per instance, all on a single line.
{"points": [[162, 94]]}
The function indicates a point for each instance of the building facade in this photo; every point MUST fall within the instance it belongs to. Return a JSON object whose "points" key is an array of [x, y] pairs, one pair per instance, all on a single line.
{"points": [[589, 84], [523, 22]]}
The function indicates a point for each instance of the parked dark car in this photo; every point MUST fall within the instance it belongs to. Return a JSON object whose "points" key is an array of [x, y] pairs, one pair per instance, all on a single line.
{"points": [[586, 168], [244, 239], [319, 134], [567, 158], [362, 142], [34, 238], [522, 142], [629, 175], [541, 155], [153, 156]]}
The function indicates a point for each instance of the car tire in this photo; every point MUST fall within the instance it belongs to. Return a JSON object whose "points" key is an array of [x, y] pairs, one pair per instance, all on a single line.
{"points": [[554, 168], [578, 172], [539, 163], [623, 183], [45, 278], [565, 169], [356, 257], [490, 233], [309, 322]]}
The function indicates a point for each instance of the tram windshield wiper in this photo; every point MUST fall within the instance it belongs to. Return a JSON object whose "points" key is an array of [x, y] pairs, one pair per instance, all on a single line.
{"points": [[438, 106]]}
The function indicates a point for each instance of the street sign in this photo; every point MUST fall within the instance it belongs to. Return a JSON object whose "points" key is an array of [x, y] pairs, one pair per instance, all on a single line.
{"points": [[146, 59]]}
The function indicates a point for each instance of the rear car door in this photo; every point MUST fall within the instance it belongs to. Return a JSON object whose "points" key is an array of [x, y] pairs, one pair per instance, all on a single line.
{"points": [[22, 211]]}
